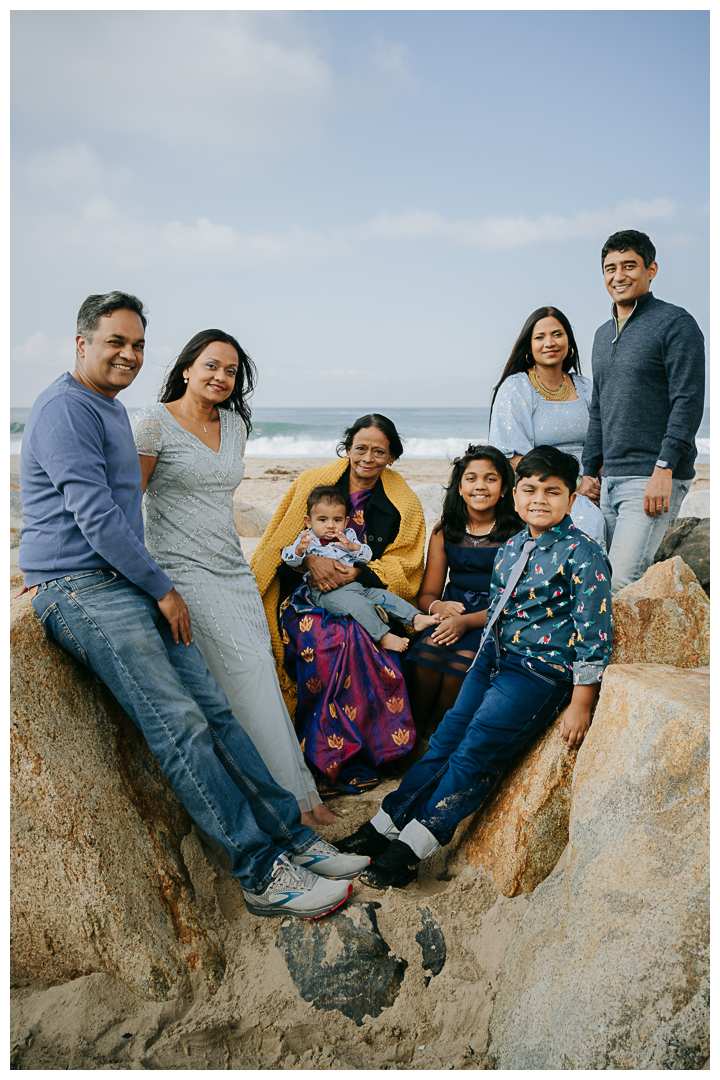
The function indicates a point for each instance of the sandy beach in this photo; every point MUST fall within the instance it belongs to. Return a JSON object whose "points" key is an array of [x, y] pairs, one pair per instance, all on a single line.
{"points": [[257, 1018]]}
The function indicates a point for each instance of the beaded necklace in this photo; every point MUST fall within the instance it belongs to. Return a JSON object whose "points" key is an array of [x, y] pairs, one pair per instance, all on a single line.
{"points": [[550, 395]]}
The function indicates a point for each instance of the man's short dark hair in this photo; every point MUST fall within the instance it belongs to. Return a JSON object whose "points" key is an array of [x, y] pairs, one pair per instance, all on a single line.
{"points": [[95, 307], [332, 495], [630, 240], [545, 461]]}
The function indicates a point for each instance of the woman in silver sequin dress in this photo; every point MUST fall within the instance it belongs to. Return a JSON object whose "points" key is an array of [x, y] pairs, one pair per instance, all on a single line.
{"points": [[191, 448], [542, 400]]}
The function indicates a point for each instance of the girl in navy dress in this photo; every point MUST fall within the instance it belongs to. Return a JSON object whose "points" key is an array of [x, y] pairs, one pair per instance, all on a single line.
{"points": [[478, 516]]}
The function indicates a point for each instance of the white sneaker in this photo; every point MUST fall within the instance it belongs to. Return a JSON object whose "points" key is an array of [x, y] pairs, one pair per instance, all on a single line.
{"points": [[293, 890], [326, 861]]}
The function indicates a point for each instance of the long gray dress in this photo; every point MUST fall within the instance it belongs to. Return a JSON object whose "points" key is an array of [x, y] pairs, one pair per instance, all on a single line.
{"points": [[190, 531]]}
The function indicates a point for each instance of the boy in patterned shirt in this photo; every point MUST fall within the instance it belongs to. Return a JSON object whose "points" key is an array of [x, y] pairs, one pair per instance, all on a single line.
{"points": [[547, 642]]}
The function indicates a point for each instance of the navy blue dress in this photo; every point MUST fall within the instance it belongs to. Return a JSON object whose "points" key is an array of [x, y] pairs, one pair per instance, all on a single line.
{"points": [[470, 564]]}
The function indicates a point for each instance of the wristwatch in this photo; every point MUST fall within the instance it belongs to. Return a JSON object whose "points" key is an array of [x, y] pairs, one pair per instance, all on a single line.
{"points": [[661, 465]]}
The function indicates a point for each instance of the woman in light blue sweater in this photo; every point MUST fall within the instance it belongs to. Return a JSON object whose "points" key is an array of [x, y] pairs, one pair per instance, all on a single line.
{"points": [[542, 399]]}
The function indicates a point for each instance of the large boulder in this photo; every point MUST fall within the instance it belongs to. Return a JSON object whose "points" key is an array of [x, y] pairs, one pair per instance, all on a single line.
{"points": [[250, 520], [519, 833], [99, 883], [664, 618], [431, 496], [609, 967], [689, 538]]}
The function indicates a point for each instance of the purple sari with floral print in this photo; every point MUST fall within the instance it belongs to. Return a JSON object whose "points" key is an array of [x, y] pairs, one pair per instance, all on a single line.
{"points": [[353, 712]]}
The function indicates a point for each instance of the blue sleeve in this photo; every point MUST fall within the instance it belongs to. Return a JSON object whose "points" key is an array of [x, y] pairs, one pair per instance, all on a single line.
{"points": [[591, 610], [68, 444], [511, 426], [290, 556], [684, 356], [364, 555]]}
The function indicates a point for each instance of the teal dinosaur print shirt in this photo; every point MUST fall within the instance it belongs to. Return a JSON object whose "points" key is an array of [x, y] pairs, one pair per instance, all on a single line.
{"points": [[560, 610]]}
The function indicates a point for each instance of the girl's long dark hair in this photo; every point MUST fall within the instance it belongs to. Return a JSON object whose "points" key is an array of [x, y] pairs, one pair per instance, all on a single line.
{"points": [[455, 517], [521, 355], [174, 386]]}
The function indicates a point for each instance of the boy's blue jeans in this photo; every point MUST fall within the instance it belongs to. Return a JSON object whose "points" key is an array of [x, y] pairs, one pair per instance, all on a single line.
{"points": [[117, 630], [502, 705]]}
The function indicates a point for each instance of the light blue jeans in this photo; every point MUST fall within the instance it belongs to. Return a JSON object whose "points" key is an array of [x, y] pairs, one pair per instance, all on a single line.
{"points": [[116, 630], [632, 536]]}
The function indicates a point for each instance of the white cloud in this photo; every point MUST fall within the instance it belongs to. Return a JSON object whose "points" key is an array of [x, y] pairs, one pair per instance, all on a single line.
{"points": [[38, 361], [392, 59], [520, 231], [228, 80], [101, 226]]}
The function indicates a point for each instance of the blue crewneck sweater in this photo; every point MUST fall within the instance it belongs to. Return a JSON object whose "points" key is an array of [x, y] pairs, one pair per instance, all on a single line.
{"points": [[648, 392], [80, 484]]}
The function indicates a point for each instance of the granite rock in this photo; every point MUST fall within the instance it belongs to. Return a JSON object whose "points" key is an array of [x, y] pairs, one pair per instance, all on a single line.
{"points": [[664, 618], [341, 962], [99, 883], [250, 520], [609, 967], [689, 538], [431, 496], [521, 830]]}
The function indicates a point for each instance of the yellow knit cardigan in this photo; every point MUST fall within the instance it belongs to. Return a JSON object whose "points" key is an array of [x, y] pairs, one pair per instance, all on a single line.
{"points": [[400, 568]]}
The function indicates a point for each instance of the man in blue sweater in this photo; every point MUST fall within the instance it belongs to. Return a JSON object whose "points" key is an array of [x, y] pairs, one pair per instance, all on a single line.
{"points": [[102, 597], [648, 365]]}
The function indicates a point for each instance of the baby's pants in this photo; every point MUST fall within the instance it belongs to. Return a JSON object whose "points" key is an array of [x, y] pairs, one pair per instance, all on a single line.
{"points": [[359, 602]]}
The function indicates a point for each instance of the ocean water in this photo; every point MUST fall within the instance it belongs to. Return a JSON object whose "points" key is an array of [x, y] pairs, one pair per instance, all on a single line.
{"points": [[426, 433]]}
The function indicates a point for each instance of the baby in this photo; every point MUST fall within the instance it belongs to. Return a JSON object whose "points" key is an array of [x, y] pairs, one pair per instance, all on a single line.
{"points": [[327, 534]]}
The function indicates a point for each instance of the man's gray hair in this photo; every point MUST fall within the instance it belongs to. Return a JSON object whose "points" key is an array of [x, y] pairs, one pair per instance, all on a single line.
{"points": [[95, 307]]}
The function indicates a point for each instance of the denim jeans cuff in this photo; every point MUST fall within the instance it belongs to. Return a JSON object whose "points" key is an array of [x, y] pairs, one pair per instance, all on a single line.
{"points": [[385, 825], [419, 839]]}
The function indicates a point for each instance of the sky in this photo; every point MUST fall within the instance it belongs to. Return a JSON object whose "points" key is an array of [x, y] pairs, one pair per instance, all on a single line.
{"points": [[371, 202]]}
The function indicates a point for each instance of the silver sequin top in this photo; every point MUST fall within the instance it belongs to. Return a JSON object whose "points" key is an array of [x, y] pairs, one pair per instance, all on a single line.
{"points": [[522, 419]]}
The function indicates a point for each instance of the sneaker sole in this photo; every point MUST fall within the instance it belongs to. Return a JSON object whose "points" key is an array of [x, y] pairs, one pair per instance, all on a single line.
{"points": [[337, 877], [296, 914]]}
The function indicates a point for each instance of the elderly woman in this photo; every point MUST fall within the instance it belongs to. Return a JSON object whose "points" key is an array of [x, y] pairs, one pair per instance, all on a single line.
{"points": [[349, 697]]}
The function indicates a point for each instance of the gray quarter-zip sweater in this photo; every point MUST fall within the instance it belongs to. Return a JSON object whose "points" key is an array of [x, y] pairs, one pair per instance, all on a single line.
{"points": [[648, 392]]}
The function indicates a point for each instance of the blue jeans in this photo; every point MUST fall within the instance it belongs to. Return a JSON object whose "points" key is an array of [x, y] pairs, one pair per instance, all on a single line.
{"points": [[632, 536], [117, 631], [502, 705]]}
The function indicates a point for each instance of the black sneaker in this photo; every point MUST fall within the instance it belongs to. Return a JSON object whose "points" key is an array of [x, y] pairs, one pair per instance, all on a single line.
{"points": [[365, 841], [397, 866]]}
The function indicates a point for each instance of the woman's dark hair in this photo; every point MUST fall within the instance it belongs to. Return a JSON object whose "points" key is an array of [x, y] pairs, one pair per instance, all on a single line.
{"points": [[521, 356], [376, 420], [174, 386], [455, 517], [331, 495], [545, 461]]}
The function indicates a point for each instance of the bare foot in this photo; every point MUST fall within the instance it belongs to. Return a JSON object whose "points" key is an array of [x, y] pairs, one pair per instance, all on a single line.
{"points": [[421, 622], [393, 642], [323, 815], [308, 819]]}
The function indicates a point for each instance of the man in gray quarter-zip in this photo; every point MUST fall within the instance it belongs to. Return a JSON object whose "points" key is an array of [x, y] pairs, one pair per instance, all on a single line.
{"points": [[648, 365]]}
